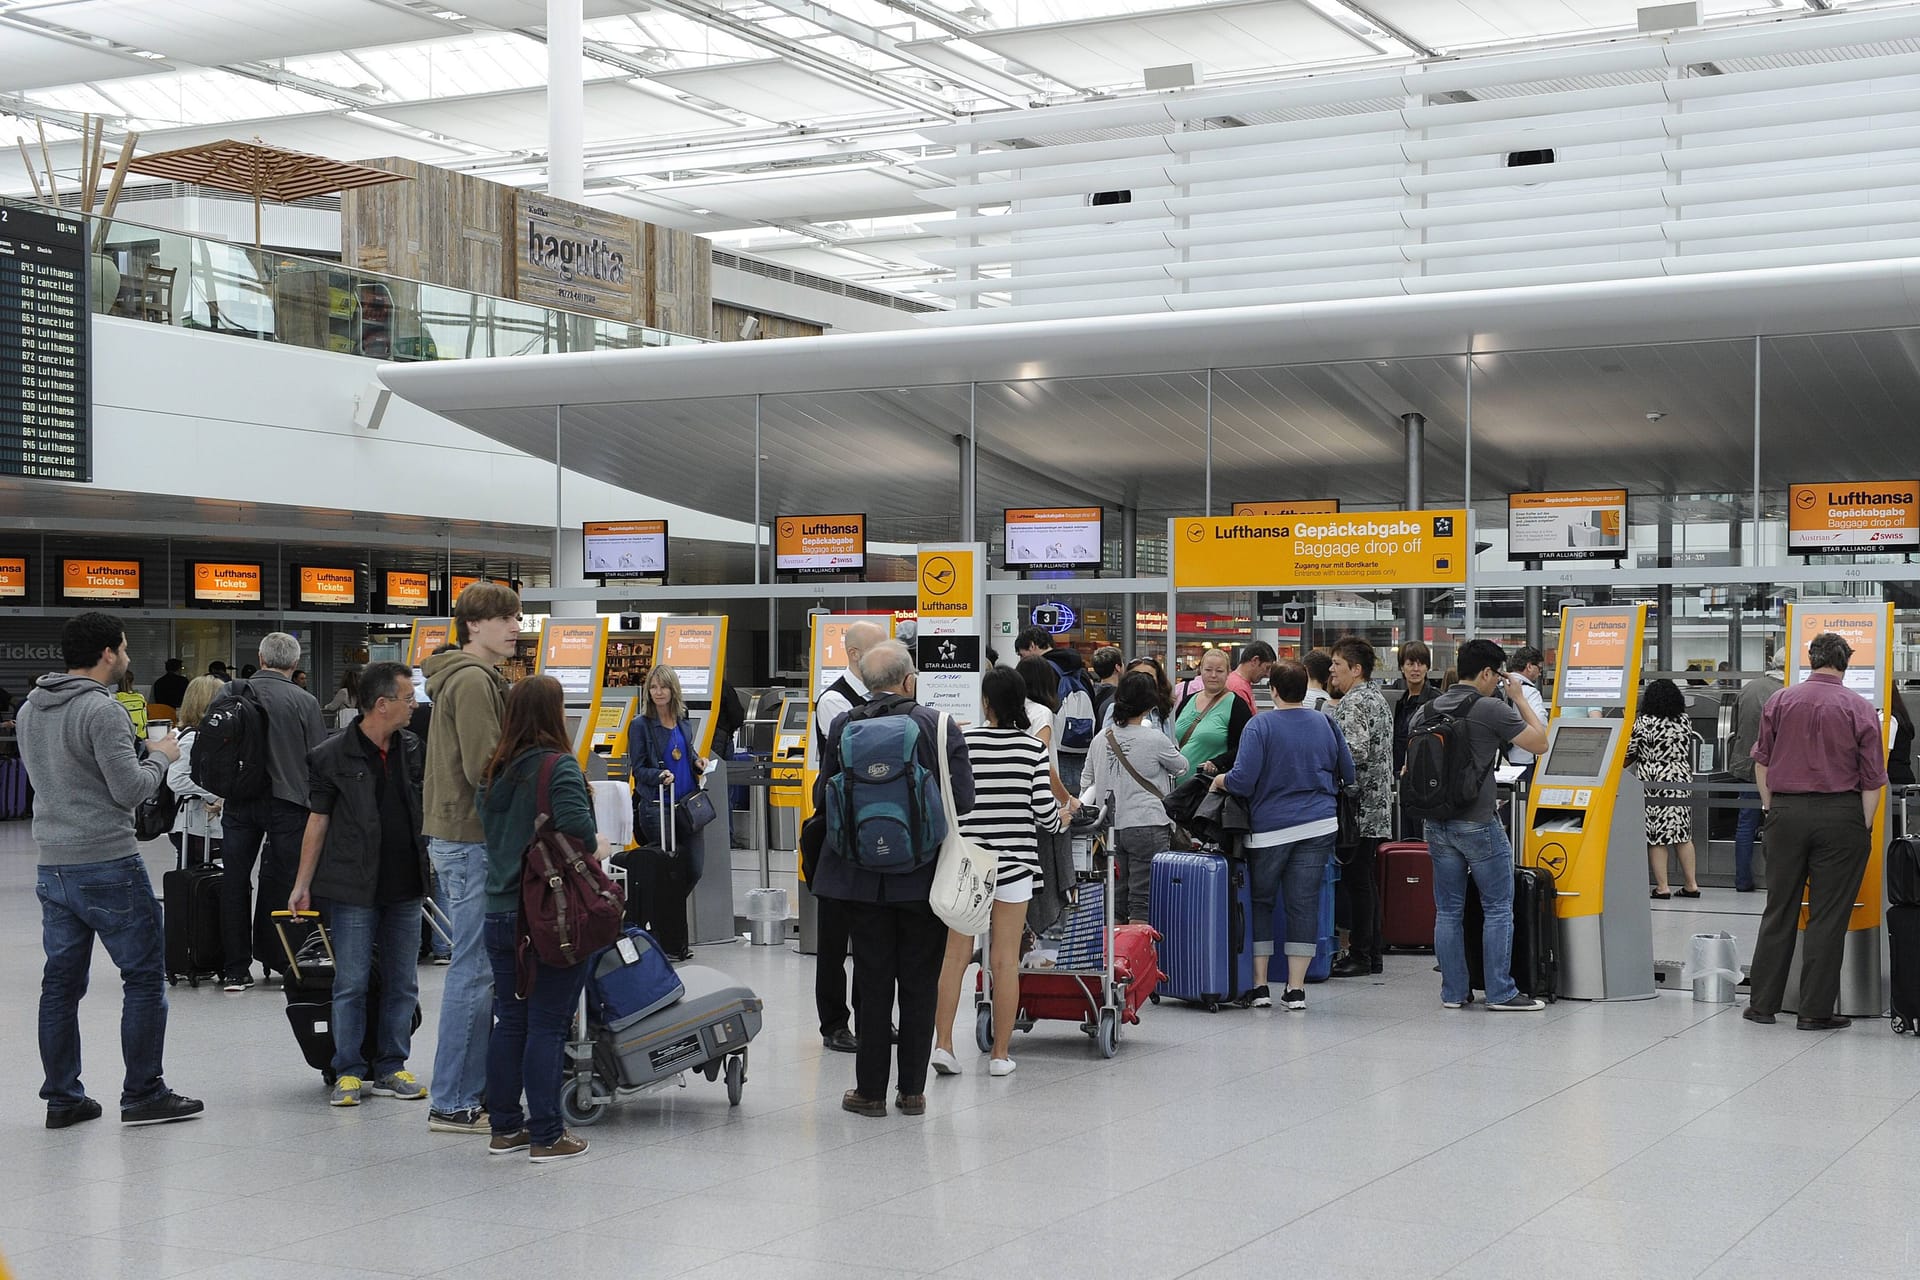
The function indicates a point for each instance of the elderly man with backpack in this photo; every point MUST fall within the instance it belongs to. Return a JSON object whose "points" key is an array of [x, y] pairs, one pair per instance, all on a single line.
{"points": [[1453, 744], [879, 789]]}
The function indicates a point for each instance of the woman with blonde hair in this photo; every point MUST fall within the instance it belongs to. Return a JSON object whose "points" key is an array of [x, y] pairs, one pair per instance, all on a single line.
{"points": [[661, 749], [199, 816]]}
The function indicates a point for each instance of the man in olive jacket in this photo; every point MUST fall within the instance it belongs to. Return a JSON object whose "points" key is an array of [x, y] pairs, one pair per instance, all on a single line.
{"points": [[365, 861], [469, 702]]}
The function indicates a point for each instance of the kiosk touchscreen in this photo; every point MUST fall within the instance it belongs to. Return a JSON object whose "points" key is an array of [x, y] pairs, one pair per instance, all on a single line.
{"points": [[695, 649], [1586, 814], [574, 652]]}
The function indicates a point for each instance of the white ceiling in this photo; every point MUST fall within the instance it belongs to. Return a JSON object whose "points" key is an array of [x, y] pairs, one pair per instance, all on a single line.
{"points": [[791, 129]]}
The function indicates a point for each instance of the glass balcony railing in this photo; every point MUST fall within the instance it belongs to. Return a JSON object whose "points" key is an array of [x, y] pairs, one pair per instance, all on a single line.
{"points": [[195, 282]]}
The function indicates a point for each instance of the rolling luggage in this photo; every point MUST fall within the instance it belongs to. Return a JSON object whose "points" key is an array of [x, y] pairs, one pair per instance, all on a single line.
{"points": [[190, 914], [1202, 906], [659, 881], [1903, 945], [1536, 934], [1406, 895], [309, 990], [1903, 872], [706, 1030], [16, 792]]}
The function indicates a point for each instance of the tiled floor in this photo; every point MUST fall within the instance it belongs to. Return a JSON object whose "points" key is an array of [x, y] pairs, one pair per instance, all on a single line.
{"points": [[1375, 1136]]}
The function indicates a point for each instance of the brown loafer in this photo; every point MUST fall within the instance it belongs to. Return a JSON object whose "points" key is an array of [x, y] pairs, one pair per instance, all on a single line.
{"points": [[1752, 1014], [1834, 1023], [911, 1104], [861, 1105]]}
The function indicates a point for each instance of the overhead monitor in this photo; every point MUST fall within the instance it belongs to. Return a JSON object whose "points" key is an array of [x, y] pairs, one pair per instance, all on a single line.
{"points": [[1596, 659], [326, 587], [1577, 751], [218, 583], [46, 402], [13, 577], [820, 544], [92, 578], [406, 591], [1584, 524], [1848, 516], [1053, 537], [624, 548]]}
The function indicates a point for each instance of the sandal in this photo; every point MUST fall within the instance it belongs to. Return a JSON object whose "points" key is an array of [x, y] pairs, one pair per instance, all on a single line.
{"points": [[1659, 896], [1688, 893]]}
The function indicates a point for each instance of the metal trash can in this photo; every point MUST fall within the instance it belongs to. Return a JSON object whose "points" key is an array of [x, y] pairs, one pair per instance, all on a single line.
{"points": [[1713, 967], [767, 916]]}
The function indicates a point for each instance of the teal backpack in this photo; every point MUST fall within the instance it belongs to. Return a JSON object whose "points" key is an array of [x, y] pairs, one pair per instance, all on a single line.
{"points": [[884, 811]]}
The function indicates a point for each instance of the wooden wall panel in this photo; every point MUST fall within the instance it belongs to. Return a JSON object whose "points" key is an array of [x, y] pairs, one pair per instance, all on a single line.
{"points": [[680, 269], [727, 320], [442, 227]]}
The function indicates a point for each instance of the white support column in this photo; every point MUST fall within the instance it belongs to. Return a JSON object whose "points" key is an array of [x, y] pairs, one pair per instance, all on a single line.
{"points": [[566, 101]]}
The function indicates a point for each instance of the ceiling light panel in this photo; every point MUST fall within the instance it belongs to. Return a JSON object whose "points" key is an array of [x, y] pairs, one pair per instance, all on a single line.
{"points": [[30, 61], [213, 32], [775, 90], [181, 99], [685, 42], [518, 121]]}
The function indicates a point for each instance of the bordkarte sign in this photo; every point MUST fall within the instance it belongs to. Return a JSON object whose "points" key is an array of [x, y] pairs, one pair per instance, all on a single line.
{"points": [[1367, 548], [577, 259]]}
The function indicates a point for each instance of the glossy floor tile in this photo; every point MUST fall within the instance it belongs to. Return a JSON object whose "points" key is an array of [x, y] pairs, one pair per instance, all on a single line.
{"points": [[1375, 1135]]}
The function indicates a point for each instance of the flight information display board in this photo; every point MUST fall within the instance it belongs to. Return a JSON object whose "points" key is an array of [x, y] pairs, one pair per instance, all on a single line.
{"points": [[45, 408]]}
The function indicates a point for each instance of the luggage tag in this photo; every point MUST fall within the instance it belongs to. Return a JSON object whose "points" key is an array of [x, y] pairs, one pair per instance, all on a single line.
{"points": [[628, 951]]}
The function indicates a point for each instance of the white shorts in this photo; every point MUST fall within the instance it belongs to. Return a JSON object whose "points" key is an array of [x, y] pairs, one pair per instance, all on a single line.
{"points": [[1020, 890]]}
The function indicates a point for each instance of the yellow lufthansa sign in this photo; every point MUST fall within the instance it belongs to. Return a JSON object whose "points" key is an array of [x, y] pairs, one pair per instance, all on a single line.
{"points": [[946, 584], [1362, 548]]}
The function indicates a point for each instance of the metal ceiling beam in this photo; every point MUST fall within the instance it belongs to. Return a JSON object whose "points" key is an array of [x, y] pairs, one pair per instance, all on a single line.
{"points": [[987, 82], [1361, 12], [838, 70]]}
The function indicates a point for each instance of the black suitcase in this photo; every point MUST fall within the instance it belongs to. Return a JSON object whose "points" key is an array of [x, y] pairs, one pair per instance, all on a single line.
{"points": [[1536, 934], [1903, 945], [309, 990], [190, 914], [1903, 872], [659, 881]]}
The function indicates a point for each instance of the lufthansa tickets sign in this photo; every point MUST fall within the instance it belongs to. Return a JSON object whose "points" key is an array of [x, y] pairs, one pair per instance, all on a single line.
{"points": [[1372, 548], [1878, 515]]}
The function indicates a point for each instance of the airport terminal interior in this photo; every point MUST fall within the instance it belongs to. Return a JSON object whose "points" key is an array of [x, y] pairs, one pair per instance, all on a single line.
{"points": [[709, 330]]}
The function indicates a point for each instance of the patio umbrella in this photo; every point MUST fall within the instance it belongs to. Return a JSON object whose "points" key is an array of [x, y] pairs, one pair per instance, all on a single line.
{"points": [[259, 170]]}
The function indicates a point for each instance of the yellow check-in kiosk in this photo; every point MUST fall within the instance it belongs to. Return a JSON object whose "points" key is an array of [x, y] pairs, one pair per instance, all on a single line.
{"points": [[574, 652], [1869, 629], [607, 749], [1587, 813], [695, 649]]}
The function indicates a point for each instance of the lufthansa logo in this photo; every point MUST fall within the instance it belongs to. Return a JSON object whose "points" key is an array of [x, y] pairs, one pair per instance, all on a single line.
{"points": [[1554, 858], [1196, 532], [786, 528], [1805, 500], [938, 576]]}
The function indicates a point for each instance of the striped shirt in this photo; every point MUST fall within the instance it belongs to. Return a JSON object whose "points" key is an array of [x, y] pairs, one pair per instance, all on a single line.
{"points": [[1011, 794]]}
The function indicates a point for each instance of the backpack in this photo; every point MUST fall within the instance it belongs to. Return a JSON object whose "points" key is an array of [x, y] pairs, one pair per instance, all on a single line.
{"points": [[1075, 717], [1440, 780], [230, 751], [569, 908], [884, 809], [154, 816]]}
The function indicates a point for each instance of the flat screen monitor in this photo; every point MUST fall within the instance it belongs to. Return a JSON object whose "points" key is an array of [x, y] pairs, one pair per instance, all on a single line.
{"points": [[1578, 751], [98, 578], [216, 583], [820, 544], [326, 587], [793, 716], [624, 548], [1586, 524], [1595, 659], [1053, 537]]}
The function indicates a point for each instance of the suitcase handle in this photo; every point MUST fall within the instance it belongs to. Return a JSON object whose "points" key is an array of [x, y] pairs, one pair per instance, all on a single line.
{"points": [[280, 921]]}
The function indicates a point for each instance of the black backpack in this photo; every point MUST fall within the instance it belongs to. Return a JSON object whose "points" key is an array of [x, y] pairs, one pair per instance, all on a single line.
{"points": [[1441, 780], [230, 747]]}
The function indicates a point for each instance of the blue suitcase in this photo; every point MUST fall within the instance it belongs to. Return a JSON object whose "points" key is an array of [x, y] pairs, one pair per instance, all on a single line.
{"points": [[16, 793], [1202, 905]]}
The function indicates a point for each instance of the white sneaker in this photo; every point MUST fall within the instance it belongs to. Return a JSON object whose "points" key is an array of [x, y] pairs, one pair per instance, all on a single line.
{"points": [[998, 1067], [945, 1064]]}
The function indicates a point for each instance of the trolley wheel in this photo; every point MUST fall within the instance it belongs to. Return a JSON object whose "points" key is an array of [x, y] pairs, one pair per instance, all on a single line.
{"points": [[712, 1070], [1109, 1034], [575, 1111], [1155, 997], [736, 1080], [983, 1028], [1213, 1006]]}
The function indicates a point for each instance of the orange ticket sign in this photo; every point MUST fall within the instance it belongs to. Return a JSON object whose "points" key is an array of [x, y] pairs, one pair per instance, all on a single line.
{"points": [[226, 583], [1304, 507], [323, 586], [13, 577], [407, 590], [459, 583], [428, 635], [1881, 515], [1053, 537], [1580, 524], [570, 644], [691, 646], [1596, 649], [1867, 630], [820, 544], [91, 579], [1372, 548]]}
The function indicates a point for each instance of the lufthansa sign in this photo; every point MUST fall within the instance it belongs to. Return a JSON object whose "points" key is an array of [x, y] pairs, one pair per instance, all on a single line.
{"points": [[1368, 548]]}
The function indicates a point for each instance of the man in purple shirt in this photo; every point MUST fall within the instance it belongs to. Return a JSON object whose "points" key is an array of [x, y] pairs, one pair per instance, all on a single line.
{"points": [[1820, 764]]}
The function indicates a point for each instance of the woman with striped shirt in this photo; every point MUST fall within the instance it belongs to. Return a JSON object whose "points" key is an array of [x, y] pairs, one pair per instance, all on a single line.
{"points": [[1013, 801]]}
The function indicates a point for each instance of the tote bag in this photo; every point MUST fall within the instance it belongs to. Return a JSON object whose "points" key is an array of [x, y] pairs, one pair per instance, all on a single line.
{"points": [[963, 874]]}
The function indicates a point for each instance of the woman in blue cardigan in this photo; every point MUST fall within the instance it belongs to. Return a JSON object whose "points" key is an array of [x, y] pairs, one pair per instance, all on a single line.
{"points": [[1290, 768]]}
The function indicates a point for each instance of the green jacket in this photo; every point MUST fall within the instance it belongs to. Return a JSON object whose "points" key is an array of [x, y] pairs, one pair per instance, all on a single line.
{"points": [[506, 812], [469, 702]]}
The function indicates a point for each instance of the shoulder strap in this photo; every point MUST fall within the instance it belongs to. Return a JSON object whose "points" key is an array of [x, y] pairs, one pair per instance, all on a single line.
{"points": [[946, 772], [542, 796], [1113, 745]]}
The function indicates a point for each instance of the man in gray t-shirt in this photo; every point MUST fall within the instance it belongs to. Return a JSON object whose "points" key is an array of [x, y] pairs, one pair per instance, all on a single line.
{"points": [[1474, 844]]}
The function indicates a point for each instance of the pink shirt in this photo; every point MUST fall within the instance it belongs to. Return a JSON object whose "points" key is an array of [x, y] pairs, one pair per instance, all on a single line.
{"points": [[1238, 686], [1820, 737]]}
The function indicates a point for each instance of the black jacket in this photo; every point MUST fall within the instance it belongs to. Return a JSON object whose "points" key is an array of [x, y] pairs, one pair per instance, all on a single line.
{"points": [[342, 786]]}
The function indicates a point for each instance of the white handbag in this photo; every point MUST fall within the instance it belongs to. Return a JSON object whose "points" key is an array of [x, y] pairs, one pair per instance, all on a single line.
{"points": [[962, 894]]}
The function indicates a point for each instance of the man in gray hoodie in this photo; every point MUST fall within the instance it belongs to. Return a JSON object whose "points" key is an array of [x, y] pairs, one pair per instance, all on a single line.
{"points": [[79, 741]]}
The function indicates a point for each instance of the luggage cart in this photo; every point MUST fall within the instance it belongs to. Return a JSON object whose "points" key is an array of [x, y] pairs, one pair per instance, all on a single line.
{"points": [[706, 1030], [1082, 983]]}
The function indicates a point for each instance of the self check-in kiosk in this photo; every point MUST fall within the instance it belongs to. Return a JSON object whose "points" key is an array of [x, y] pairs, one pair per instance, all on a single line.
{"points": [[1586, 814], [574, 652], [1869, 630]]}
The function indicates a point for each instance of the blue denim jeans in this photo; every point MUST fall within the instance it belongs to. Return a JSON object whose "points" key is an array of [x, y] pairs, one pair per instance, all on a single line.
{"points": [[1746, 827], [466, 1001], [362, 935], [528, 1049], [1290, 873], [113, 900], [1479, 850]]}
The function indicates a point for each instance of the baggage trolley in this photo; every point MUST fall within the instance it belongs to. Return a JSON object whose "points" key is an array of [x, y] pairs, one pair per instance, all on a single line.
{"points": [[706, 1030], [1080, 984]]}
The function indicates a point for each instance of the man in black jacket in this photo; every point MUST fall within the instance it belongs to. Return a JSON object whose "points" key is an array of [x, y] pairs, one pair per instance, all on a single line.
{"points": [[898, 944], [364, 860]]}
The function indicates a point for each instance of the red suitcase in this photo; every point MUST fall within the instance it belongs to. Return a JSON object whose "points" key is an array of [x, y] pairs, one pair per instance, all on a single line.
{"points": [[1406, 895]]}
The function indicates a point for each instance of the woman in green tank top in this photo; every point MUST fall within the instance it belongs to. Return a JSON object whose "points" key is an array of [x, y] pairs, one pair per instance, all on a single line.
{"points": [[1207, 726]]}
